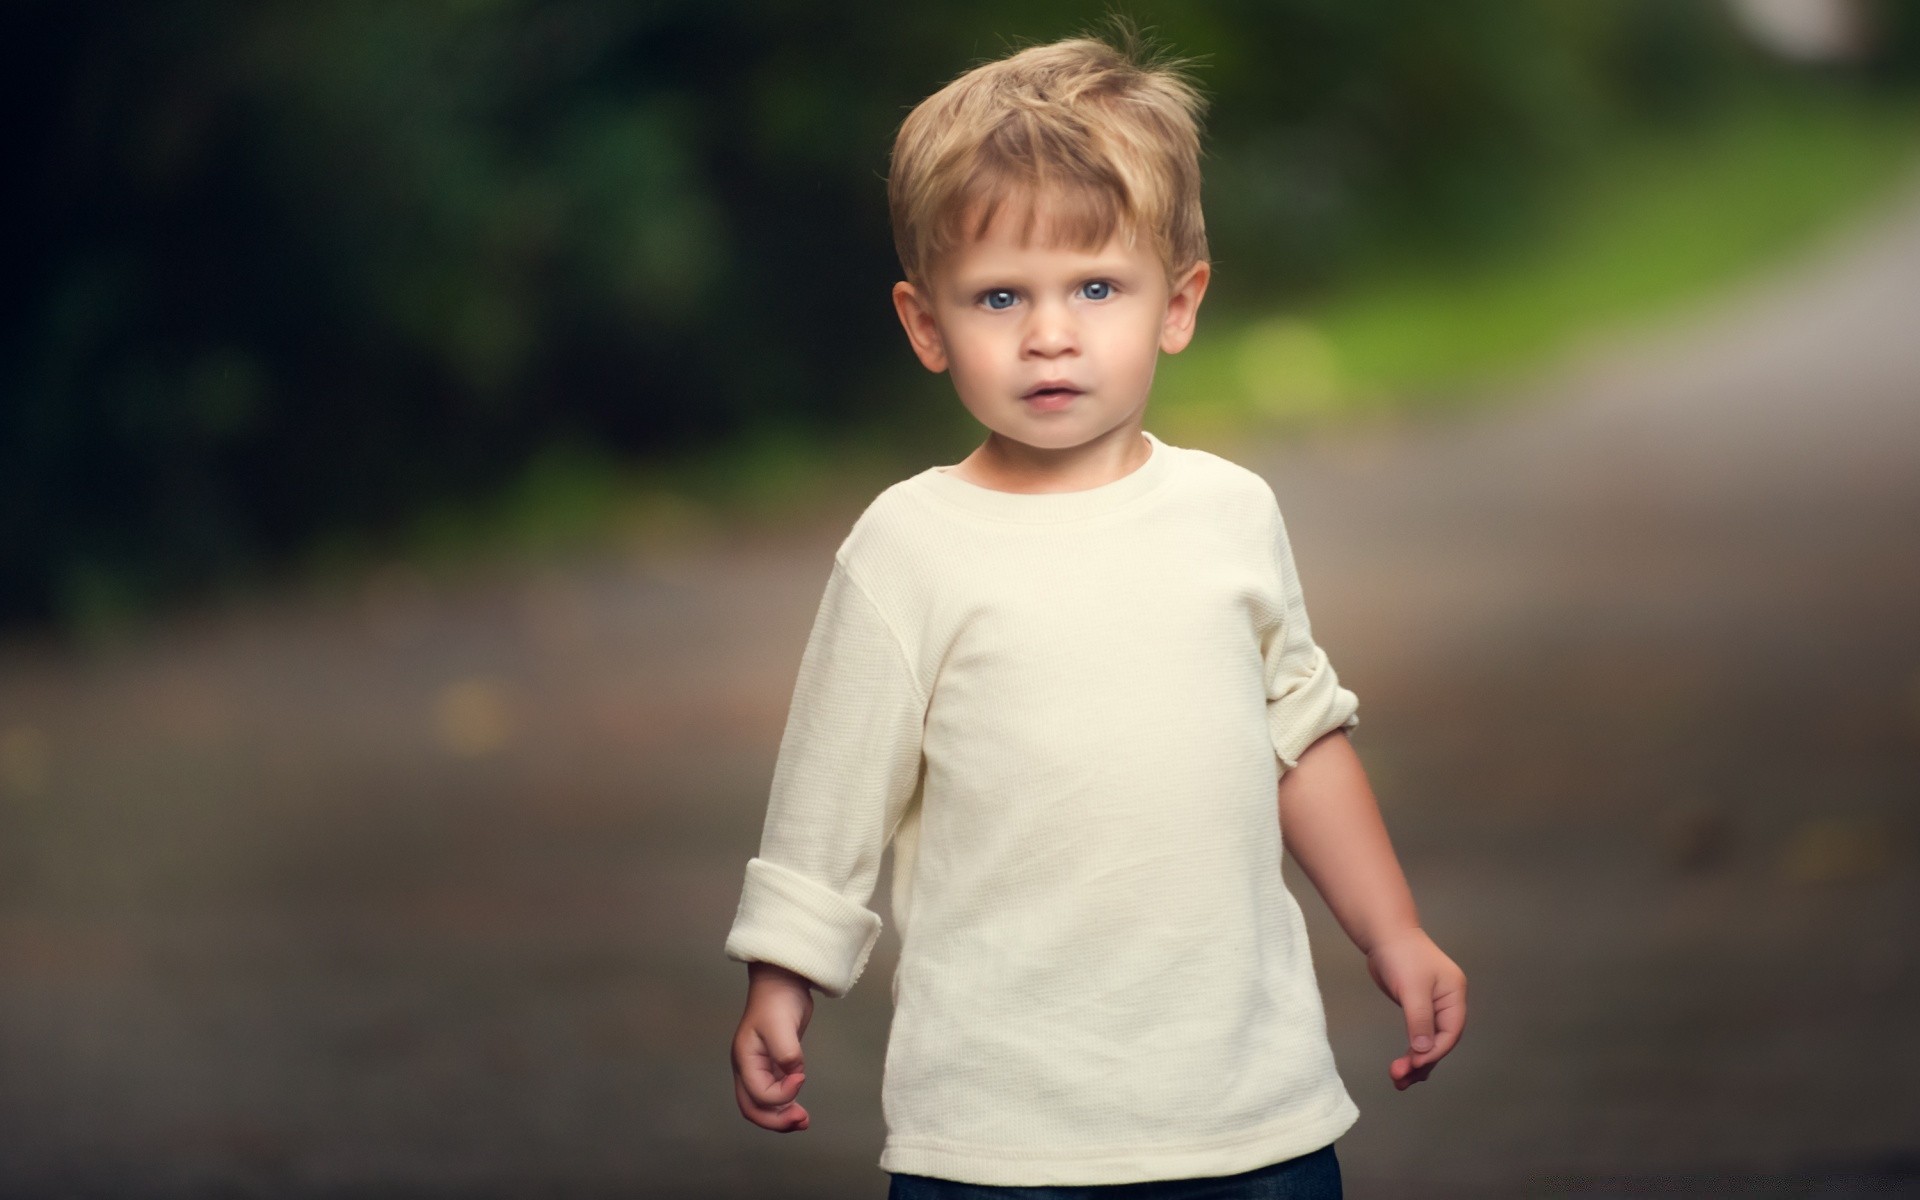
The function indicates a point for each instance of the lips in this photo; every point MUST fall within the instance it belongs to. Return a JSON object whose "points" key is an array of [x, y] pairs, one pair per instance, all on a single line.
{"points": [[1054, 388]]}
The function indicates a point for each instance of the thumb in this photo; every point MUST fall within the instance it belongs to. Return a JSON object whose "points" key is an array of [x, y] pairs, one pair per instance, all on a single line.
{"points": [[1417, 1005], [783, 1046]]}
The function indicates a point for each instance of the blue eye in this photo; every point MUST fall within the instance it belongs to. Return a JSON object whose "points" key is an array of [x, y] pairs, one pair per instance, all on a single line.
{"points": [[1098, 289], [998, 298]]}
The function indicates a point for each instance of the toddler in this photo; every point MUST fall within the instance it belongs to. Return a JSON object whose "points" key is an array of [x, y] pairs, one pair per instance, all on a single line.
{"points": [[1071, 682]]}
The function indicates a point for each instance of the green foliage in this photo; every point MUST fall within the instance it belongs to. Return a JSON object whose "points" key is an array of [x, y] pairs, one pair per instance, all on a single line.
{"points": [[305, 276], [1649, 224]]}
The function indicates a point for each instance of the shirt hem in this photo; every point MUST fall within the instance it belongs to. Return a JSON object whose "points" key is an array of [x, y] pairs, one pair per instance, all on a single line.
{"points": [[1264, 1146]]}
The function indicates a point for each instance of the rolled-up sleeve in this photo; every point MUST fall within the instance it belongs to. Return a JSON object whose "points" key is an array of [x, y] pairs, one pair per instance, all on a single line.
{"points": [[1304, 698], [849, 765]]}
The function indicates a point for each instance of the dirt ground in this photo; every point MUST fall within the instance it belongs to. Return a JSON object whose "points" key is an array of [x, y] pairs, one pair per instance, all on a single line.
{"points": [[420, 891]]}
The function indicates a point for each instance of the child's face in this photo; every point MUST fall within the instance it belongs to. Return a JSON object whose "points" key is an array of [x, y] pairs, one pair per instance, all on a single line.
{"points": [[1050, 346]]}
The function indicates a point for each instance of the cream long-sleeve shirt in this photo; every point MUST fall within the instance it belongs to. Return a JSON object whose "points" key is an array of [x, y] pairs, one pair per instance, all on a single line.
{"points": [[1067, 713]]}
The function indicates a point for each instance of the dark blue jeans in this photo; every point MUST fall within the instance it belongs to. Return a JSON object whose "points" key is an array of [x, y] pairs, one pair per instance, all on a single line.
{"points": [[1314, 1176]]}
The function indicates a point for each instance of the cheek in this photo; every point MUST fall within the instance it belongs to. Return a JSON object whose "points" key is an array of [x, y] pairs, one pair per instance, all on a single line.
{"points": [[1138, 345], [971, 356]]}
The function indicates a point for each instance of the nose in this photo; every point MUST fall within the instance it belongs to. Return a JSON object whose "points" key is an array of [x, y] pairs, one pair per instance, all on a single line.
{"points": [[1050, 331]]}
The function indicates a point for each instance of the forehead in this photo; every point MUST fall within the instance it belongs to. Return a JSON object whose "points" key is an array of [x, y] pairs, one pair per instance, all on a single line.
{"points": [[1029, 230]]}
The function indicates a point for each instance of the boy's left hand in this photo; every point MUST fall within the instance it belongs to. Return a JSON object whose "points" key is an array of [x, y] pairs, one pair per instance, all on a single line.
{"points": [[1431, 991]]}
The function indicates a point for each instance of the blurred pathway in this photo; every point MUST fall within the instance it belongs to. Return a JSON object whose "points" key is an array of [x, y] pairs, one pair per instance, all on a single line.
{"points": [[419, 894]]}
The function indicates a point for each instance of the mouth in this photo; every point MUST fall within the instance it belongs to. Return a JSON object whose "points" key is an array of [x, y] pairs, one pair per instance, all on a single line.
{"points": [[1051, 390]]}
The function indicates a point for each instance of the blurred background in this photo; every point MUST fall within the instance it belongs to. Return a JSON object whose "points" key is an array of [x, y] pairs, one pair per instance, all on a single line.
{"points": [[424, 434]]}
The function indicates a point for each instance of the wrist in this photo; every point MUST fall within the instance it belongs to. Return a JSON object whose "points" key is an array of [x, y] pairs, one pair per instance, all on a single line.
{"points": [[1376, 940], [772, 975]]}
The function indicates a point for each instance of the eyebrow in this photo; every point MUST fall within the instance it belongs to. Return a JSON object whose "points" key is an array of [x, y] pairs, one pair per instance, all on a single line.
{"points": [[987, 281]]}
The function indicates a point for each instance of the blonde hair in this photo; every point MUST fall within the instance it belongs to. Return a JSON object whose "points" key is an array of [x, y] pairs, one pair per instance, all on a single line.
{"points": [[1108, 134]]}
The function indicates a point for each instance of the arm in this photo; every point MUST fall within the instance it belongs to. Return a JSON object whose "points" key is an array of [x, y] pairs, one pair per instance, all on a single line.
{"points": [[1331, 823], [848, 767]]}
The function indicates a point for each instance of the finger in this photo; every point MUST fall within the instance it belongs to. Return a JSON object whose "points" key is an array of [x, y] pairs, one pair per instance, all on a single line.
{"points": [[777, 1093], [1404, 1074], [1416, 1003], [752, 1068], [1449, 1022], [770, 1084], [783, 1045], [761, 1075], [778, 1110], [784, 1118]]}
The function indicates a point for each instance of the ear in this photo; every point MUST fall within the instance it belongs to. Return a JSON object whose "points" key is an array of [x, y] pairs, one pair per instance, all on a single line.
{"points": [[1183, 307], [916, 317]]}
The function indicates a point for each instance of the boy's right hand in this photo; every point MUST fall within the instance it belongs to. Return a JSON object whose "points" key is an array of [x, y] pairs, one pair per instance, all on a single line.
{"points": [[767, 1065]]}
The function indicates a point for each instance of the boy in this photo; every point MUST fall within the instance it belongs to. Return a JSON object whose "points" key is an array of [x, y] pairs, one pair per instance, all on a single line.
{"points": [[1071, 681]]}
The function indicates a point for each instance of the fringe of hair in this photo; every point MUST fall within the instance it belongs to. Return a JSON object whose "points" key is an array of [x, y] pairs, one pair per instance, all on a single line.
{"points": [[1105, 134]]}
